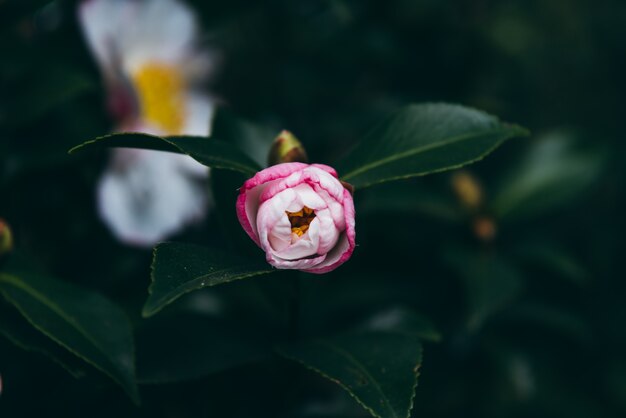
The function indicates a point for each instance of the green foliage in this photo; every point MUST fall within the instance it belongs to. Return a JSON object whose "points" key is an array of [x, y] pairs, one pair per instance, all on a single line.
{"points": [[18, 330], [83, 322], [210, 152], [423, 139], [362, 364], [181, 268], [502, 316], [551, 173], [191, 346]]}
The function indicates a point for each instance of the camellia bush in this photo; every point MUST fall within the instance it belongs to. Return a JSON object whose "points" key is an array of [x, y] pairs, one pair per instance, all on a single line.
{"points": [[311, 209], [302, 217]]}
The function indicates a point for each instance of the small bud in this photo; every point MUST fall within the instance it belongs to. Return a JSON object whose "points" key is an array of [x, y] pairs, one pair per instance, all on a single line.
{"points": [[467, 189], [287, 149], [484, 228], [6, 238]]}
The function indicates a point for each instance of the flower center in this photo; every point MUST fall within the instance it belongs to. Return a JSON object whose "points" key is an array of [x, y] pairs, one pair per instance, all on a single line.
{"points": [[160, 91], [300, 220]]}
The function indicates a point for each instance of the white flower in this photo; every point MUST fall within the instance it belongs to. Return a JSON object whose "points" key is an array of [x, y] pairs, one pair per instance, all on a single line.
{"points": [[151, 65]]}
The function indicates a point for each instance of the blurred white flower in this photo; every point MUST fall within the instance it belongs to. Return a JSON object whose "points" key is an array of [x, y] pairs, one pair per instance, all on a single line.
{"points": [[151, 65]]}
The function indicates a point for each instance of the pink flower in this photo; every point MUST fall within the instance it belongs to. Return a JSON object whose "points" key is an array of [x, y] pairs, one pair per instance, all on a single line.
{"points": [[300, 215]]}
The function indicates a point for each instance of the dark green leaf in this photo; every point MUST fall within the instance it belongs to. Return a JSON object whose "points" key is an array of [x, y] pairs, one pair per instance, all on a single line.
{"points": [[181, 268], [16, 329], [208, 151], [378, 369], [83, 322], [552, 173], [424, 139], [187, 346]]}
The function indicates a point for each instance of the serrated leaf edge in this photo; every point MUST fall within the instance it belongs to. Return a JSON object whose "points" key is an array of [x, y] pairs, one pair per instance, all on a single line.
{"points": [[509, 134], [347, 389], [149, 311], [221, 163]]}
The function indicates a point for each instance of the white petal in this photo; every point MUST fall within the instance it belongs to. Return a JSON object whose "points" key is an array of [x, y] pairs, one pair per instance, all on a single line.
{"points": [[307, 197], [139, 31], [280, 235], [252, 203], [304, 246], [102, 22], [199, 112], [336, 253], [144, 196], [162, 31], [328, 232]]}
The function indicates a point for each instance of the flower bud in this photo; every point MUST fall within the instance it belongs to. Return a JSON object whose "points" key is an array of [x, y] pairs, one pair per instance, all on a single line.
{"points": [[467, 189], [300, 215], [286, 148], [6, 238]]}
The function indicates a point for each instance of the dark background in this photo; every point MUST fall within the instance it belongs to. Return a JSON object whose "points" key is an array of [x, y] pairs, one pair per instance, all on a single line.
{"points": [[531, 320]]}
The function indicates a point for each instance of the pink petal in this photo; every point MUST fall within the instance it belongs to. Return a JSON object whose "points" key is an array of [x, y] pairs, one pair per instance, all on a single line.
{"points": [[248, 201], [345, 247]]}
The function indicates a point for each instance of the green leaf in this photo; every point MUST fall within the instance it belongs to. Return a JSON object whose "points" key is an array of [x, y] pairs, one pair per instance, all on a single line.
{"points": [[378, 369], [83, 322], [424, 139], [552, 173], [208, 151], [17, 330], [178, 269], [188, 346]]}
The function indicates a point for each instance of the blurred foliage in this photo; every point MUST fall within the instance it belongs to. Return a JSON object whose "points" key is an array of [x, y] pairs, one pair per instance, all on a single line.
{"points": [[524, 286]]}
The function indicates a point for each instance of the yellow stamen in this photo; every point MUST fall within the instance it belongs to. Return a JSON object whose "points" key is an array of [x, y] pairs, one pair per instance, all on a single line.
{"points": [[300, 220], [160, 91]]}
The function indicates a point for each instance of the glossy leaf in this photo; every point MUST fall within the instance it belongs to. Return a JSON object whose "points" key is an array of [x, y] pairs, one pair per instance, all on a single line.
{"points": [[188, 346], [378, 369], [17, 330], [178, 269], [552, 173], [424, 139], [208, 151], [83, 322]]}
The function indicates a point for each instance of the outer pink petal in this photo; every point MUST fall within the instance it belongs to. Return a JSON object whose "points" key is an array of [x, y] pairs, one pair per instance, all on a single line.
{"points": [[264, 176], [327, 169], [313, 176]]}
